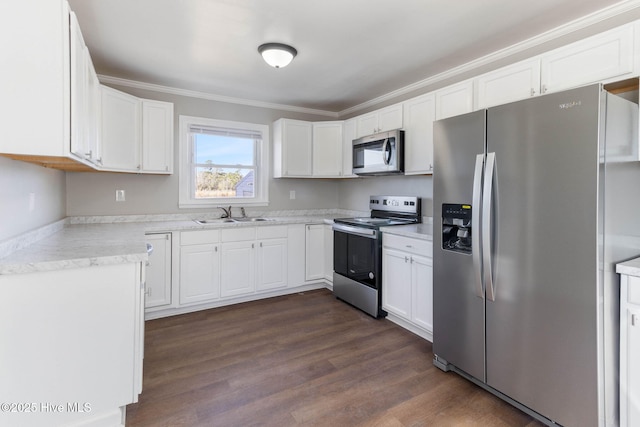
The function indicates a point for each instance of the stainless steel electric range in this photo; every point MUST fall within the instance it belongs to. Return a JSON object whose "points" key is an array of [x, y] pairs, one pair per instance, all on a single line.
{"points": [[357, 250]]}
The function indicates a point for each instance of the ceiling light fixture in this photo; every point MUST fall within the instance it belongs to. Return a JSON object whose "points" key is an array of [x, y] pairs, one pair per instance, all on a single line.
{"points": [[277, 55]]}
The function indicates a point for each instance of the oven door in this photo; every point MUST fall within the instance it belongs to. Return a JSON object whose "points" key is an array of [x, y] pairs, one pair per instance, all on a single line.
{"points": [[356, 253]]}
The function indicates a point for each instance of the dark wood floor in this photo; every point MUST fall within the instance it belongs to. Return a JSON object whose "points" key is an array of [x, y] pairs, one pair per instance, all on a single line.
{"points": [[303, 359]]}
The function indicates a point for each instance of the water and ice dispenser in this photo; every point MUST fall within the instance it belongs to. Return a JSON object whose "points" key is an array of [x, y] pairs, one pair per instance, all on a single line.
{"points": [[456, 227]]}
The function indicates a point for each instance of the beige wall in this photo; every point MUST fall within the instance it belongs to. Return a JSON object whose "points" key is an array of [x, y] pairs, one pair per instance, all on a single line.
{"points": [[17, 181]]}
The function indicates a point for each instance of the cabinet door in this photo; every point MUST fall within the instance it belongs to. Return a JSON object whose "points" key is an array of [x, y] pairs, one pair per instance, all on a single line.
{"points": [[92, 113], [272, 264], [199, 273], [454, 100], [327, 149], [296, 148], [158, 273], [34, 78], [120, 130], [396, 283], [296, 254], [511, 83], [390, 118], [367, 124], [422, 300], [594, 59], [78, 90], [348, 135], [629, 366], [328, 252], [314, 254], [419, 114], [238, 268], [157, 136]]}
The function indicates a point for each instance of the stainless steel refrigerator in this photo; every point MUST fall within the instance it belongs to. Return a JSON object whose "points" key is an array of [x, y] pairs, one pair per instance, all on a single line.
{"points": [[532, 203]]}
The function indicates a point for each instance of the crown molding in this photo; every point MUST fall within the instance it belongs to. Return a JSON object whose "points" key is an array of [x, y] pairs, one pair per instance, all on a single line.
{"points": [[565, 29], [210, 96]]}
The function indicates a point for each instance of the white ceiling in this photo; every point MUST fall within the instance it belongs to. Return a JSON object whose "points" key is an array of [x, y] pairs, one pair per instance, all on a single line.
{"points": [[349, 51]]}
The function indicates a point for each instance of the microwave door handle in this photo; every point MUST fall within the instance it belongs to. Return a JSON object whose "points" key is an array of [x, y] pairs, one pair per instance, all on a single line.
{"points": [[385, 149]]}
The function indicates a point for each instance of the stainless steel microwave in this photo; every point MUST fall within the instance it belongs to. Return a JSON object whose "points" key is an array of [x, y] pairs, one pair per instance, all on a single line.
{"points": [[379, 154]]}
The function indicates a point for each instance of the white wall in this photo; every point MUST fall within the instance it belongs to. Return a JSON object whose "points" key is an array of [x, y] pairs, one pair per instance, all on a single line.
{"points": [[19, 179]]}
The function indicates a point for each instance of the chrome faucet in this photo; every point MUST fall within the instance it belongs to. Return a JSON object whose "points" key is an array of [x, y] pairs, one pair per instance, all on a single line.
{"points": [[227, 213]]}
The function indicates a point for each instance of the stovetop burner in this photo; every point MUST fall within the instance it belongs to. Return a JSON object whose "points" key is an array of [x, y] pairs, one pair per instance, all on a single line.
{"points": [[386, 211]]}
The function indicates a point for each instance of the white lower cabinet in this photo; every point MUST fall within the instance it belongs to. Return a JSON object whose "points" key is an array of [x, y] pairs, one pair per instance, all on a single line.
{"points": [[328, 252], [238, 268], [271, 264], [629, 351], [407, 283], [158, 283], [199, 266], [80, 341], [314, 253], [216, 267]]}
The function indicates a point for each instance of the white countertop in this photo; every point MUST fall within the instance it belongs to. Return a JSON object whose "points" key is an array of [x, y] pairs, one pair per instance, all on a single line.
{"points": [[417, 231], [630, 268], [94, 243]]}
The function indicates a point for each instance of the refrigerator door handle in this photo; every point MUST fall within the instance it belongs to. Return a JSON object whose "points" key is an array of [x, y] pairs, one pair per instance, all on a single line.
{"points": [[475, 226], [487, 200]]}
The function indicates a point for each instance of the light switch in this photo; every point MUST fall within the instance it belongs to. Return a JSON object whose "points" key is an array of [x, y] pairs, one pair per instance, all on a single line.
{"points": [[120, 196]]}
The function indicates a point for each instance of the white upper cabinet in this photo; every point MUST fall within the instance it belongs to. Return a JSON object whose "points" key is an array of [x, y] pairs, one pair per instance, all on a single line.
{"points": [[348, 135], [120, 130], [292, 148], [136, 134], [79, 86], [93, 143], [35, 81], [157, 136], [419, 114], [327, 149], [605, 56], [454, 100], [508, 84], [381, 120]]}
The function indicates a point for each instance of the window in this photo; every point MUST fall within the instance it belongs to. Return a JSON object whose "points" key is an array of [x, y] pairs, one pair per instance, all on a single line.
{"points": [[222, 162]]}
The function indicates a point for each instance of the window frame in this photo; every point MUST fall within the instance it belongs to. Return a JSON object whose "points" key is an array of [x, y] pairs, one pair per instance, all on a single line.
{"points": [[187, 198]]}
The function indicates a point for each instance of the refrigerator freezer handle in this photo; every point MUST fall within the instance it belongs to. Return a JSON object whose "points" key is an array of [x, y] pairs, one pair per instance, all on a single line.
{"points": [[487, 199], [475, 226]]}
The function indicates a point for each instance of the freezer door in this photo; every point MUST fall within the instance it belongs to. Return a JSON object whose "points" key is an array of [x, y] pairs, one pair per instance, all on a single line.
{"points": [[458, 308], [541, 318]]}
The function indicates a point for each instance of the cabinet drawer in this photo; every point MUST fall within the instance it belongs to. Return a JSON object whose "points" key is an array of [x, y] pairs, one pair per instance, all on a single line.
{"points": [[199, 237], [238, 234], [271, 232], [407, 244], [633, 292]]}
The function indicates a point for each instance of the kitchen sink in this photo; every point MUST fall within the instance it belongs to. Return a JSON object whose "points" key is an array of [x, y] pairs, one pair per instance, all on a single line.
{"points": [[226, 220], [213, 221]]}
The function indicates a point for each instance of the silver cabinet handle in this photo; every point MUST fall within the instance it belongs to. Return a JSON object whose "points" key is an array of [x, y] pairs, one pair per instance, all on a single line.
{"points": [[533, 91]]}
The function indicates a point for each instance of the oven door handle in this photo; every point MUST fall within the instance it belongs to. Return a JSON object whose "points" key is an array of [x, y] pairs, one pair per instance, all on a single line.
{"points": [[359, 231]]}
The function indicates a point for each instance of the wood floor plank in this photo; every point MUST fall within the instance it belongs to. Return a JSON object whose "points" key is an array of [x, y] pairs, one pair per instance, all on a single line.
{"points": [[302, 360]]}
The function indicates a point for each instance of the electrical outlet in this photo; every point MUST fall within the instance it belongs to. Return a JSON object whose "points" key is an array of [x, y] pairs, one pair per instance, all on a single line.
{"points": [[120, 196], [292, 195]]}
